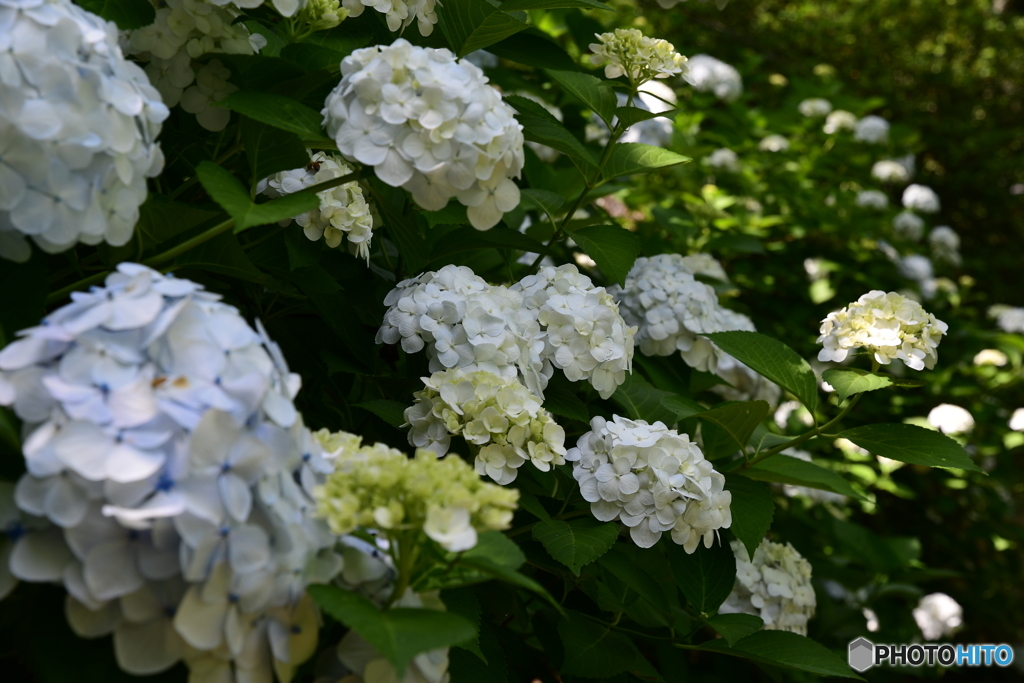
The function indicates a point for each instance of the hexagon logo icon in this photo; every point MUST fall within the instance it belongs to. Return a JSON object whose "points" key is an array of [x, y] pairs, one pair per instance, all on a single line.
{"points": [[862, 655]]}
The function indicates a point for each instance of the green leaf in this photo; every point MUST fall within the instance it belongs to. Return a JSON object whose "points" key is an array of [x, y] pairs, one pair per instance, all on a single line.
{"points": [[270, 150], [229, 193], [733, 627], [322, 50], [474, 24], [683, 407], [224, 255], [278, 111], [577, 542], [548, 131], [784, 469], [634, 157], [498, 548], [463, 602], [399, 633], [471, 239], [594, 650], [782, 648], [548, 202], [161, 218], [738, 420], [614, 249], [593, 92], [535, 49], [391, 412], [127, 14], [641, 401], [452, 214], [510, 5], [911, 444], [630, 115], [752, 510], [705, 576], [631, 573], [772, 359], [849, 381], [399, 225], [510, 576], [560, 401]]}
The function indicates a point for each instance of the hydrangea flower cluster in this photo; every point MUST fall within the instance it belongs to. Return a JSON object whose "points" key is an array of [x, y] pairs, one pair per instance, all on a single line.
{"points": [[653, 479], [381, 488], [723, 159], [671, 308], [78, 129], [627, 51], [891, 170], [815, 107], [344, 211], [775, 585], [584, 335], [945, 244], [773, 143], [1008, 318], [872, 199], [169, 477], [888, 325], [556, 318], [498, 416], [707, 74], [838, 120], [871, 129], [938, 616], [921, 198], [919, 269], [951, 419], [908, 225], [431, 124], [183, 31], [399, 13]]}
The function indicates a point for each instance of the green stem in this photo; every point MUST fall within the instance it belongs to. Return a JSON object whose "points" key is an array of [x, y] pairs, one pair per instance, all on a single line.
{"points": [[333, 182], [804, 437]]}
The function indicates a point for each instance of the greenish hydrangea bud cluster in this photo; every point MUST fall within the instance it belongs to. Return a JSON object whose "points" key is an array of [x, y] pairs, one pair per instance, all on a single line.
{"points": [[500, 416], [381, 488], [629, 52]]}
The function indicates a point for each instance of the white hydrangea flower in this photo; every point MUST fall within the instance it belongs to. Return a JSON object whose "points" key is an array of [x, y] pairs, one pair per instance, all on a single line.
{"points": [[707, 74], [182, 32], [78, 129], [908, 225], [872, 199], [888, 325], [773, 143], [921, 198], [950, 419], [839, 120], [938, 616], [627, 51], [871, 129], [1016, 422], [723, 159], [890, 171], [344, 211], [584, 335], [775, 585], [919, 269], [945, 244], [814, 495], [1008, 318], [399, 13], [431, 124], [671, 308], [500, 417], [991, 357], [815, 107], [163, 446], [556, 318], [652, 479]]}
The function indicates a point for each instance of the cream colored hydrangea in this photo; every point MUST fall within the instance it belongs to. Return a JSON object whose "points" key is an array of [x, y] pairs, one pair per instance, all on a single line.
{"points": [[775, 585], [381, 488], [888, 325], [628, 51], [499, 416], [344, 211]]}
